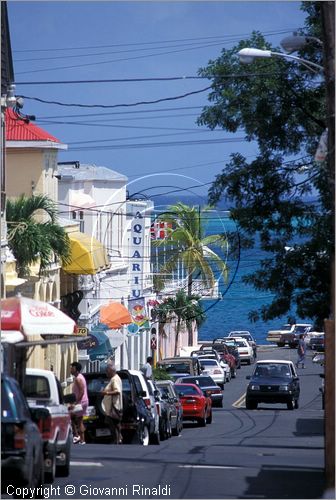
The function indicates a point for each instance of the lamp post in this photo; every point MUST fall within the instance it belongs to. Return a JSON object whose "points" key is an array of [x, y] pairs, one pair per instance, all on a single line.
{"points": [[248, 55]]}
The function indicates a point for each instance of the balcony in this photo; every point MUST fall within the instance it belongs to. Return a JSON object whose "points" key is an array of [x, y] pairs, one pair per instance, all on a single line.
{"points": [[198, 288]]}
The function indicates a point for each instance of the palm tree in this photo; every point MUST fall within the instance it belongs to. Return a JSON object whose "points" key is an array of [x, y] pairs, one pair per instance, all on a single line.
{"points": [[31, 240], [185, 308], [190, 246]]}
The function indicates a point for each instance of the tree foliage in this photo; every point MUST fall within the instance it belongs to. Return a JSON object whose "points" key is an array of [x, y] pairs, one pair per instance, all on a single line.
{"points": [[190, 245], [280, 105], [30, 239], [186, 308]]}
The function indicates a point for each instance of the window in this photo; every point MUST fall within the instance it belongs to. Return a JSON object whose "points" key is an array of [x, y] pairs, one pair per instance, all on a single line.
{"points": [[36, 387], [187, 390]]}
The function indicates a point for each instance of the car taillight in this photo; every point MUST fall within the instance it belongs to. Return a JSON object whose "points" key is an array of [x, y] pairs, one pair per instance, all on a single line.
{"points": [[45, 427], [217, 371], [147, 402], [19, 438], [158, 409]]}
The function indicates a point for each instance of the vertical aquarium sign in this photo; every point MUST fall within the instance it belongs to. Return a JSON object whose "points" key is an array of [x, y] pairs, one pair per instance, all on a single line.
{"points": [[137, 254]]}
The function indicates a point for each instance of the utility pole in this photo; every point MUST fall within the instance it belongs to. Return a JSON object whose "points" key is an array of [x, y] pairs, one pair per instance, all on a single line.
{"points": [[328, 29]]}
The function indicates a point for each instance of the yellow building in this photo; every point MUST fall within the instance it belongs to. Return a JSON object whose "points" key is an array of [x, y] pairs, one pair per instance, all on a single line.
{"points": [[31, 164]]}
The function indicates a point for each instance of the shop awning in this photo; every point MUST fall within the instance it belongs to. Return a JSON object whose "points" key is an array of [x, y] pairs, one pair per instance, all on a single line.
{"points": [[88, 255], [115, 315]]}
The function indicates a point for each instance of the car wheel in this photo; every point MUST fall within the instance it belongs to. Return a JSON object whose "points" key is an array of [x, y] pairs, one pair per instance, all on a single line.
{"points": [[290, 404], [168, 429], [296, 404], [209, 419], [163, 429], [178, 429], [280, 344], [64, 470], [142, 436], [154, 438], [251, 405], [202, 421], [51, 474], [39, 482]]}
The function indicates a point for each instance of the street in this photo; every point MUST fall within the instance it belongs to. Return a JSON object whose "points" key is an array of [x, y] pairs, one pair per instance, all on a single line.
{"points": [[266, 453]]}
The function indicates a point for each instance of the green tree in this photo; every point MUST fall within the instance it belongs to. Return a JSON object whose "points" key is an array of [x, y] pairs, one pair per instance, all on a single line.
{"points": [[281, 106], [190, 246], [31, 240], [185, 308]]}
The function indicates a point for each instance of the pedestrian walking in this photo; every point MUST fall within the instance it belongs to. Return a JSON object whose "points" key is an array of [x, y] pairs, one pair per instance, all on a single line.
{"points": [[147, 368], [113, 403], [79, 389], [301, 350]]}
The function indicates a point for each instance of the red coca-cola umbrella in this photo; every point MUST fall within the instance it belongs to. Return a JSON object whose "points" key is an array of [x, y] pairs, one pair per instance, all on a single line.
{"points": [[22, 317]]}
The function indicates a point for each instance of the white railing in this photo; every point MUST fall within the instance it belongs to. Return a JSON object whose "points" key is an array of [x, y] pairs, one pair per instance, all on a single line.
{"points": [[198, 288]]}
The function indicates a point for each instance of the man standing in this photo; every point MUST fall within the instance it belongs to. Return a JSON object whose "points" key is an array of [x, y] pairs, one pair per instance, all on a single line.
{"points": [[80, 391], [301, 350], [147, 368], [113, 404]]}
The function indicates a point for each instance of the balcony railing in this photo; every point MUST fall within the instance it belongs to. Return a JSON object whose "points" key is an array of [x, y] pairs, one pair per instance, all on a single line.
{"points": [[198, 288]]}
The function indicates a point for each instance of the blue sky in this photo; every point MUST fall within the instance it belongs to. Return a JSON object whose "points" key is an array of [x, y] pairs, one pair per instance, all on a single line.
{"points": [[139, 40]]}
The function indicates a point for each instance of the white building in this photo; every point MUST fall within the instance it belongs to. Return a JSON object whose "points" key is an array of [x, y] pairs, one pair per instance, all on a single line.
{"points": [[95, 197]]}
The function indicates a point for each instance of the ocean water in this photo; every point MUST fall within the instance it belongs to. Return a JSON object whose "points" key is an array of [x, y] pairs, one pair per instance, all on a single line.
{"points": [[231, 312]]}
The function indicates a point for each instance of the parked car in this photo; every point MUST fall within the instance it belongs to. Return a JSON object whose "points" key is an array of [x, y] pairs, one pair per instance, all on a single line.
{"points": [[227, 348], [22, 459], [244, 349], [163, 410], [211, 354], [292, 338], [245, 335], [137, 421], [195, 405], [169, 394], [206, 353], [208, 387], [212, 368], [274, 335], [42, 389], [179, 366], [273, 381], [317, 343]]}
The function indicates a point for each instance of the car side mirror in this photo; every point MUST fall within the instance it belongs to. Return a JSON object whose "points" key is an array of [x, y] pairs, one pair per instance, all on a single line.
{"points": [[248, 377]]}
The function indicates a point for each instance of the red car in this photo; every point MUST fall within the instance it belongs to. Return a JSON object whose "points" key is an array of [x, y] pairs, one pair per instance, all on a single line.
{"points": [[195, 405]]}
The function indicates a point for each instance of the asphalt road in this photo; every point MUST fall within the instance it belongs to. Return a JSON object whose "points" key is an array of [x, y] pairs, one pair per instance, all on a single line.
{"points": [[266, 453]]}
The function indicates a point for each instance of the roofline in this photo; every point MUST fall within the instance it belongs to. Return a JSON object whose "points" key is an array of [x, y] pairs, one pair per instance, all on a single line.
{"points": [[36, 145]]}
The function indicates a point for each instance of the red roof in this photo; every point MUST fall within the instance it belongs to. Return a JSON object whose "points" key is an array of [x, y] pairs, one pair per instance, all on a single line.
{"points": [[20, 130]]}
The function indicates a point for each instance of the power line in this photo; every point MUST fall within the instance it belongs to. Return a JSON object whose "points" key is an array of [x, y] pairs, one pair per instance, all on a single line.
{"points": [[149, 79], [266, 33], [107, 106]]}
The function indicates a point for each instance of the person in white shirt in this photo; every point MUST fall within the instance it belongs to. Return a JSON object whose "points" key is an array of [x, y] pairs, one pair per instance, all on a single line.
{"points": [[147, 368], [113, 403]]}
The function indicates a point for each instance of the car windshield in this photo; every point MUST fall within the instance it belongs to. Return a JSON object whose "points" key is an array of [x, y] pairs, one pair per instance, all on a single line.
{"points": [[241, 343], [96, 384], [272, 370], [6, 407], [301, 328], [201, 381], [209, 362], [177, 367], [187, 390]]}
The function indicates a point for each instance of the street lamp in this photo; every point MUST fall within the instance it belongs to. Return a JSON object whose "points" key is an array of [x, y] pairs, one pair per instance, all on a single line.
{"points": [[248, 55], [295, 42]]}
